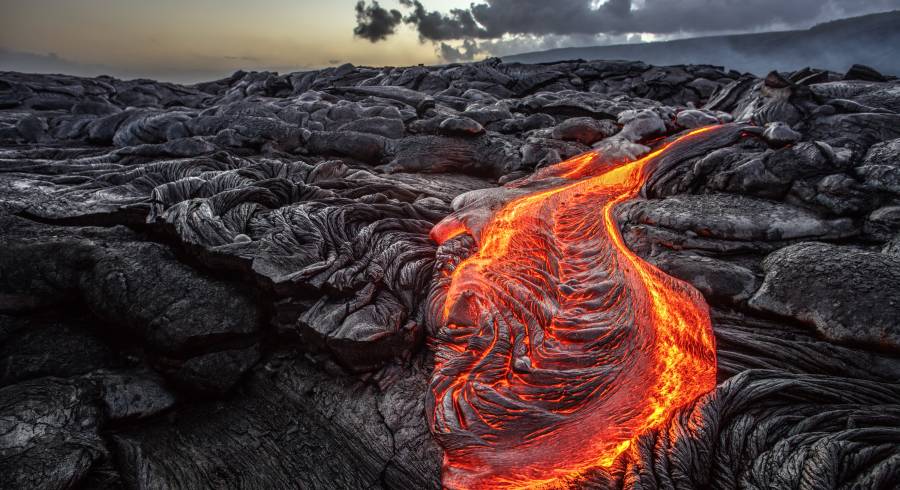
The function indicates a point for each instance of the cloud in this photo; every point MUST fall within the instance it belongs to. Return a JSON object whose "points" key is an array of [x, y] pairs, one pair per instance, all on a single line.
{"points": [[502, 23], [466, 52], [374, 22], [495, 18], [523, 43]]}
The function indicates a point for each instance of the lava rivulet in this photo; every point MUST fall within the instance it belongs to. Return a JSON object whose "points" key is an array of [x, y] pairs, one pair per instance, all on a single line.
{"points": [[557, 346]]}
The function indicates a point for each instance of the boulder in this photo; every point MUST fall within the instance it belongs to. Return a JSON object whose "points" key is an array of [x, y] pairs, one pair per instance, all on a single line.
{"points": [[849, 295], [585, 130], [460, 126]]}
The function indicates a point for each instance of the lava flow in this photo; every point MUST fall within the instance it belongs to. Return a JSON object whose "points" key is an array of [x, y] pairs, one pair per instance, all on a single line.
{"points": [[557, 346]]}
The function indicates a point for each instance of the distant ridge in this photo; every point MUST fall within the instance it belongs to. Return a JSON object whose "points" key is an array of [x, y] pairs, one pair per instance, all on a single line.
{"points": [[872, 40]]}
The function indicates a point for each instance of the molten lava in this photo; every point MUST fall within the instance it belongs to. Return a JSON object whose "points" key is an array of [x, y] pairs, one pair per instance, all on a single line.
{"points": [[557, 345]]}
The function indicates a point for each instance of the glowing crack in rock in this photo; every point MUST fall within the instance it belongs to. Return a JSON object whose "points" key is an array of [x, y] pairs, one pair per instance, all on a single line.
{"points": [[557, 346]]}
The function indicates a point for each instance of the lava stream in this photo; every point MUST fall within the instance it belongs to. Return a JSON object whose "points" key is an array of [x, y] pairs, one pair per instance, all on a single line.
{"points": [[557, 346]]}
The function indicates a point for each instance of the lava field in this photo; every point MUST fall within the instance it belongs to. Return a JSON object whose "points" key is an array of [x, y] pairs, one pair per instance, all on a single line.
{"points": [[583, 274]]}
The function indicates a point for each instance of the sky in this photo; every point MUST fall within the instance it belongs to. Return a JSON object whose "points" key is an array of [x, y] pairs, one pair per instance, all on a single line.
{"points": [[193, 40]]}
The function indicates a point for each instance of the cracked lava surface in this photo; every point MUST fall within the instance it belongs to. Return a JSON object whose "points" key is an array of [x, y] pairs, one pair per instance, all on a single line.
{"points": [[558, 346]]}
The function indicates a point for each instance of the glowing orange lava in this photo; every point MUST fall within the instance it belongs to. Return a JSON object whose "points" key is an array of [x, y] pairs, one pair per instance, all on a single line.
{"points": [[558, 346]]}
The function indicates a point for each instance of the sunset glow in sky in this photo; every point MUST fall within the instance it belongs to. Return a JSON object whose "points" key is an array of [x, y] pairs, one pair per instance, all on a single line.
{"points": [[203, 36]]}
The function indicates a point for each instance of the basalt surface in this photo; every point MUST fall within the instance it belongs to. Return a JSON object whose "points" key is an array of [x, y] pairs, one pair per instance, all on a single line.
{"points": [[469, 275]]}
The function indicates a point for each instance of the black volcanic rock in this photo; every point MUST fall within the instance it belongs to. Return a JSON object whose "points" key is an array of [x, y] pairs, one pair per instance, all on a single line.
{"points": [[734, 217], [863, 72], [850, 295], [49, 433], [298, 425], [714, 278], [460, 126], [693, 118], [139, 287], [779, 134], [794, 436], [41, 345], [225, 285], [584, 130]]}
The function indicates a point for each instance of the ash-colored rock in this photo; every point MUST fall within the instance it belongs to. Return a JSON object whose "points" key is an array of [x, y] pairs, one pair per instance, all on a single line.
{"points": [[712, 277], [620, 148], [537, 150], [694, 118], [460, 126], [138, 287], [48, 433], [880, 169], [892, 247], [382, 126], [883, 223], [849, 295], [779, 134], [886, 153], [43, 345], [858, 132], [863, 72], [640, 124], [733, 217], [133, 395], [298, 425], [212, 373]]}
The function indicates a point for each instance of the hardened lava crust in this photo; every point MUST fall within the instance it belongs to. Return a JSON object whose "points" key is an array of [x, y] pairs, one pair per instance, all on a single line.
{"points": [[584, 274]]}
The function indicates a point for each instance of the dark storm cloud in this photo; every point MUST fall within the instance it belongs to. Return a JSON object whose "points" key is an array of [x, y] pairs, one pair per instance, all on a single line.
{"points": [[458, 24], [494, 18], [374, 22], [466, 52]]}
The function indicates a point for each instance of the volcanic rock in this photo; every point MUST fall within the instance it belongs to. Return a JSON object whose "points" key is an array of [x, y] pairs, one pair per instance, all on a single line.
{"points": [[712, 277], [133, 395], [41, 345], [779, 134], [693, 118], [460, 126], [733, 217], [863, 72], [199, 283], [880, 169], [640, 124], [849, 295], [298, 425], [49, 433], [382, 126], [584, 130], [139, 286]]}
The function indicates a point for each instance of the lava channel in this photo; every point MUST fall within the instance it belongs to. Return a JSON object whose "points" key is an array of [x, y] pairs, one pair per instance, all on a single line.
{"points": [[555, 345]]}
